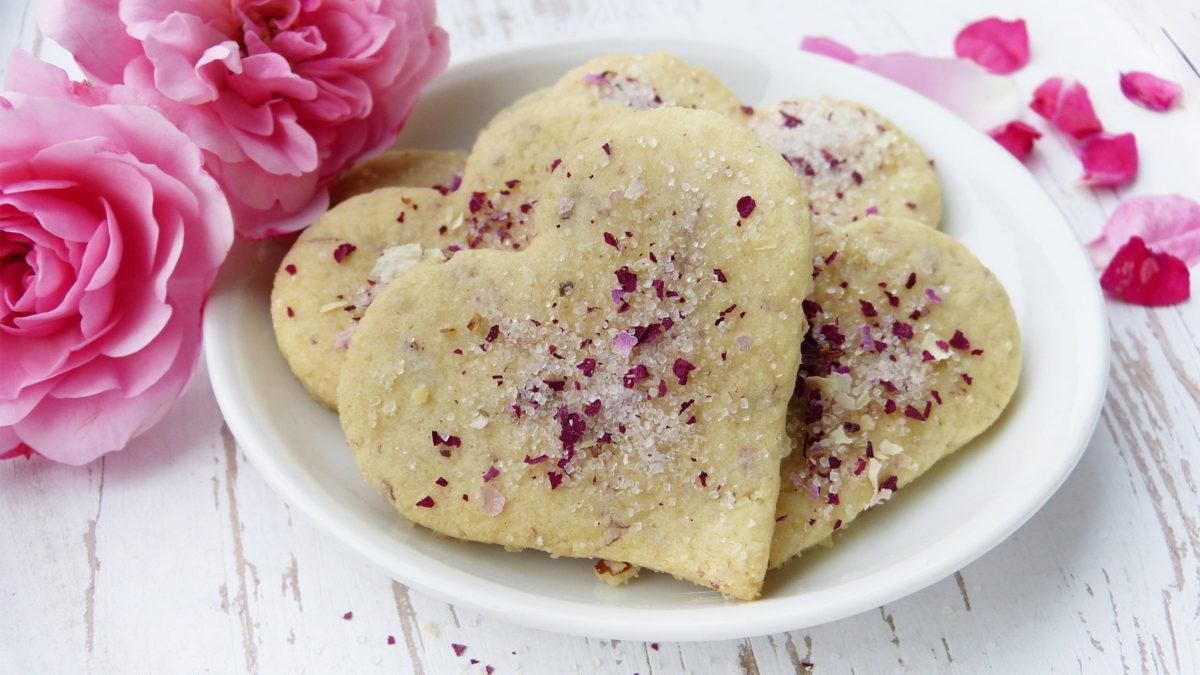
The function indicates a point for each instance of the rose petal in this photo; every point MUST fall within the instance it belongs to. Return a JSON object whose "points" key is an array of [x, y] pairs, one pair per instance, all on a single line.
{"points": [[999, 46], [1150, 91], [1108, 160], [827, 47], [1169, 223], [966, 89], [1144, 277], [1067, 105], [1017, 137]]}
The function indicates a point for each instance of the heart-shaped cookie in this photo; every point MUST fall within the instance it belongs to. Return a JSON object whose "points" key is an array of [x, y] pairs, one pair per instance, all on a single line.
{"points": [[321, 291], [913, 350], [617, 389]]}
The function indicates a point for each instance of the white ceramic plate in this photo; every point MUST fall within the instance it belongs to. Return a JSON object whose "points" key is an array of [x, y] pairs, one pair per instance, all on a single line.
{"points": [[958, 511]]}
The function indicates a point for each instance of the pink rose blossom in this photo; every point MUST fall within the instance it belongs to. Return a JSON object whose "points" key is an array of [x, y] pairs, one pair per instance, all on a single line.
{"points": [[282, 95], [111, 232], [1000, 46], [982, 99], [1150, 91]]}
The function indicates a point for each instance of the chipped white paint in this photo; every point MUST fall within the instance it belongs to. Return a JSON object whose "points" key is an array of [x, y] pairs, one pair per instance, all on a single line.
{"points": [[174, 556]]}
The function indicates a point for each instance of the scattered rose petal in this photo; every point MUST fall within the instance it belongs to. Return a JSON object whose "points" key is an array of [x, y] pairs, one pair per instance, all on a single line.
{"points": [[681, 368], [458, 649], [827, 47], [492, 501], [745, 206], [1169, 223], [1150, 91], [1145, 277], [743, 343], [343, 250], [982, 99], [1016, 137], [1000, 46], [1108, 160], [1067, 105], [624, 343]]}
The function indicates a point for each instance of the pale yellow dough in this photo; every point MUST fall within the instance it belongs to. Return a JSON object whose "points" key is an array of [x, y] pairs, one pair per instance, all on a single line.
{"points": [[948, 382], [400, 168], [470, 402]]}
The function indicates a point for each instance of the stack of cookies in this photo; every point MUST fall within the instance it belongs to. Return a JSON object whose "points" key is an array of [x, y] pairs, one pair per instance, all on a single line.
{"points": [[644, 323]]}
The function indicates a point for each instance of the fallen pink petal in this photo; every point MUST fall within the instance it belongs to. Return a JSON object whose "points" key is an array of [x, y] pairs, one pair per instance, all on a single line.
{"points": [[1145, 277], [1108, 160], [980, 98], [1000, 46], [1150, 91], [1068, 107], [829, 47], [1017, 137], [1169, 223]]}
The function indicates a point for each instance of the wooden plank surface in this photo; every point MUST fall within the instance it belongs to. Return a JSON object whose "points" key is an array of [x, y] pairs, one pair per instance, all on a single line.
{"points": [[175, 556]]}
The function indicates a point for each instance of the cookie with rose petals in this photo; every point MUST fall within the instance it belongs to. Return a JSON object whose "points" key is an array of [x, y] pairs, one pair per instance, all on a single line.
{"points": [[509, 163], [521, 148], [852, 162], [618, 388], [337, 266], [438, 169], [913, 350]]}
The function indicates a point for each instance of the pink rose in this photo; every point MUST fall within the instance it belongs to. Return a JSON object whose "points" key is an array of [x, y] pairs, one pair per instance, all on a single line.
{"points": [[111, 232], [282, 95]]}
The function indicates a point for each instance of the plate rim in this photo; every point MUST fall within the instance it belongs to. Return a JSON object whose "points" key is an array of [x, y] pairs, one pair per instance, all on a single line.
{"points": [[732, 619]]}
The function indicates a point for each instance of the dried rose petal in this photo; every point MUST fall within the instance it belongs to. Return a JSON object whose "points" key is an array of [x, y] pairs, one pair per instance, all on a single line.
{"points": [[745, 206], [624, 343], [1108, 160], [492, 501], [458, 649], [1000, 46], [1150, 91], [343, 250], [1145, 277], [681, 368], [1068, 106], [1169, 223], [1016, 137]]}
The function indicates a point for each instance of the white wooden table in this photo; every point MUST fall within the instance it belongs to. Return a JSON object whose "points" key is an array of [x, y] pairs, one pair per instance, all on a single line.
{"points": [[175, 556]]}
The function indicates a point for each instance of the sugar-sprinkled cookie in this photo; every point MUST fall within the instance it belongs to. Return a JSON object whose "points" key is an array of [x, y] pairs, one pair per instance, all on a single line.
{"points": [[617, 389], [522, 146], [913, 350], [438, 169], [852, 162], [489, 208]]}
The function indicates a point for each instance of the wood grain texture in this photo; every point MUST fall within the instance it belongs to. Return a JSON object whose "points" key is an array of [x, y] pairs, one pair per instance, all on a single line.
{"points": [[175, 556]]}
